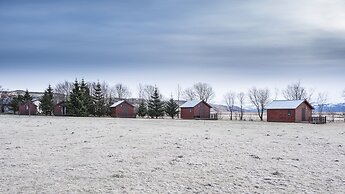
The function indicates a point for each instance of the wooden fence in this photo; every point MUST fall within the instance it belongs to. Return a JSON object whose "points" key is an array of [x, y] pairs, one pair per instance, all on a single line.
{"points": [[318, 120]]}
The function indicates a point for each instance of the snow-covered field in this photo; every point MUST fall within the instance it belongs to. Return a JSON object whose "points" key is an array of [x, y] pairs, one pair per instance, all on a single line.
{"points": [[106, 155]]}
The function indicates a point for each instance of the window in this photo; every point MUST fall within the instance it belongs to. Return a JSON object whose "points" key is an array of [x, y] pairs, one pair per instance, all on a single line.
{"points": [[190, 110], [289, 112]]}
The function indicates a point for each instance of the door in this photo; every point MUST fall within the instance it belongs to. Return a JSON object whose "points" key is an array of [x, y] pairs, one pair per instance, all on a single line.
{"points": [[202, 111], [126, 111], [303, 114]]}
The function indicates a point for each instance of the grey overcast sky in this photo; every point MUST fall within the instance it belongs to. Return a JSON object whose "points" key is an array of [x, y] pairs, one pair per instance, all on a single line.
{"points": [[230, 44]]}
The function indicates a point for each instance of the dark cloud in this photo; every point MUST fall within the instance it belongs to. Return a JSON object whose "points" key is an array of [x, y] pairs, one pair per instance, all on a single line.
{"points": [[260, 39]]}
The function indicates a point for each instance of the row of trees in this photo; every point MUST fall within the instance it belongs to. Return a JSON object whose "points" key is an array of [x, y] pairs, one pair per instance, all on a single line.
{"points": [[84, 100], [20, 99], [117, 91], [46, 101], [260, 97], [95, 98], [156, 108], [202, 91], [230, 98]]}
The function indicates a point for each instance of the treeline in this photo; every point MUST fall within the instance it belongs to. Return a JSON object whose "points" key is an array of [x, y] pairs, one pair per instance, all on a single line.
{"points": [[84, 100], [17, 100], [95, 98]]}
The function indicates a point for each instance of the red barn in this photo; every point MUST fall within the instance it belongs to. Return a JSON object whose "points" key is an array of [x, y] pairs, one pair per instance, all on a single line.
{"points": [[195, 109], [122, 109], [60, 109], [289, 111], [27, 108]]}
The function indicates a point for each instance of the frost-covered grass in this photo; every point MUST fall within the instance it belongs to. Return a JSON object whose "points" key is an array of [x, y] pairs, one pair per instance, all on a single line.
{"points": [[100, 155]]}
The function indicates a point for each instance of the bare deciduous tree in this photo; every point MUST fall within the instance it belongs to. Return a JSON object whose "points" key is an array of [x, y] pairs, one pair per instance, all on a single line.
{"points": [[140, 91], [230, 102], [204, 91], [296, 91], [145, 91], [321, 102], [149, 90], [121, 91], [260, 98], [189, 94], [107, 92], [201, 91], [276, 93], [106, 89], [241, 98], [178, 93], [64, 88], [92, 86]]}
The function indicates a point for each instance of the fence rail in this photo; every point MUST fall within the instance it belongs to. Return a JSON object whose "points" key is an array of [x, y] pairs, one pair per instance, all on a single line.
{"points": [[214, 116], [318, 120]]}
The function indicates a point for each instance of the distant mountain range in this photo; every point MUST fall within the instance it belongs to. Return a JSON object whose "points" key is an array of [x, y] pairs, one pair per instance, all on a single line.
{"points": [[339, 107]]}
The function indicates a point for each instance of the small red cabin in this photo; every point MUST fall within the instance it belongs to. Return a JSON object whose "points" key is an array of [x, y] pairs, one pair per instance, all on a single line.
{"points": [[289, 111], [122, 109], [195, 109], [60, 109], [27, 108]]}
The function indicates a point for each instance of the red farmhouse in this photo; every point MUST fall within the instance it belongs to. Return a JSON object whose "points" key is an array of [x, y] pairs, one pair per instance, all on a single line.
{"points": [[27, 108], [195, 109], [289, 111], [60, 109], [122, 109]]}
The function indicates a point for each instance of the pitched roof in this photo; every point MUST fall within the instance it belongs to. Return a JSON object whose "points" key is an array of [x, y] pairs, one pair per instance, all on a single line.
{"points": [[118, 103], [193, 103], [286, 104]]}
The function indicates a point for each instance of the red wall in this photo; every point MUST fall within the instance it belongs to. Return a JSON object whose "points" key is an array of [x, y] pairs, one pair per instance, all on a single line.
{"points": [[275, 115], [59, 110], [308, 112], [25, 107], [201, 111], [187, 113], [120, 111], [296, 114]]}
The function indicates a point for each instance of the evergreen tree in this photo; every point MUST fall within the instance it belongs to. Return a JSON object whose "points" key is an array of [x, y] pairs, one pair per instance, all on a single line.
{"points": [[73, 103], [142, 110], [15, 103], [171, 108], [85, 100], [155, 106], [80, 101], [47, 103], [27, 97], [98, 101]]}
